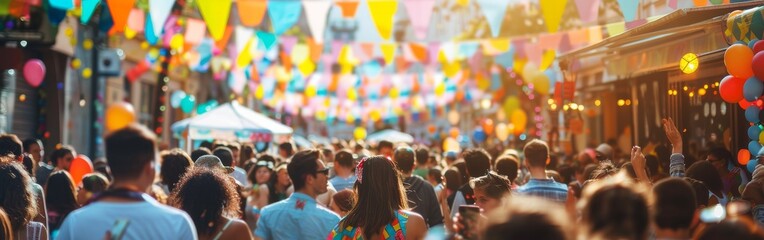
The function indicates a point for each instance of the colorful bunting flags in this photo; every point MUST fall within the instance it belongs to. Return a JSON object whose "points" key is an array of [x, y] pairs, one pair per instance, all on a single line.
{"points": [[88, 7], [615, 28], [388, 51], [159, 10], [552, 11], [195, 31], [348, 7], [149, 31], [215, 14], [382, 13], [494, 12], [629, 9], [284, 14], [251, 12], [60, 4], [316, 12], [419, 12], [120, 11], [266, 38], [135, 21], [223, 42], [588, 10]]}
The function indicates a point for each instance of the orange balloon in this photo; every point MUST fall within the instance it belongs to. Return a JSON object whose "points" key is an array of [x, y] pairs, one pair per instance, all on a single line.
{"points": [[431, 129], [80, 166], [488, 126], [119, 115], [743, 156], [454, 133], [737, 59]]}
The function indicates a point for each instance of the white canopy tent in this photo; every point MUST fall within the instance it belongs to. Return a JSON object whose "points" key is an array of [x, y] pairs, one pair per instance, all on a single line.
{"points": [[390, 135], [232, 122]]}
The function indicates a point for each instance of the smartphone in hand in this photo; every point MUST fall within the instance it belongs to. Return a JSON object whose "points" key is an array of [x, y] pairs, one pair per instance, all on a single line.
{"points": [[118, 230], [469, 216]]}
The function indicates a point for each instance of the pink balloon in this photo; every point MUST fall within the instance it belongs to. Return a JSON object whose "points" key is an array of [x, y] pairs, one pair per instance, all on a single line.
{"points": [[34, 72]]}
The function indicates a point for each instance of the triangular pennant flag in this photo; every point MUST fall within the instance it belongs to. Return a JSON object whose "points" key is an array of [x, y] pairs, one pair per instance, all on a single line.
{"points": [[284, 14], [388, 51], [615, 28], [565, 44], [552, 11], [135, 21], [501, 44], [242, 36], [316, 12], [534, 53], [419, 51], [629, 9], [195, 31], [215, 14], [288, 42], [468, 49], [149, 31], [550, 41], [699, 3], [88, 7], [159, 11], [251, 12], [588, 10], [367, 49], [105, 21], [223, 42], [266, 38], [120, 10], [245, 57], [420, 12], [547, 59], [59, 4], [494, 12], [348, 7], [506, 59], [316, 49], [382, 13]]}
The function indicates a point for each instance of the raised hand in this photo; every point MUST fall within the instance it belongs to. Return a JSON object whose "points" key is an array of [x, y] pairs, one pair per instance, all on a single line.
{"points": [[639, 163], [673, 135]]}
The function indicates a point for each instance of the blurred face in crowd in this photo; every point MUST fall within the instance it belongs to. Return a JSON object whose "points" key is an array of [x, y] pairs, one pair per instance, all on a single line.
{"points": [[66, 161], [83, 195], [387, 152], [263, 174], [718, 163], [486, 203], [282, 178], [36, 151]]}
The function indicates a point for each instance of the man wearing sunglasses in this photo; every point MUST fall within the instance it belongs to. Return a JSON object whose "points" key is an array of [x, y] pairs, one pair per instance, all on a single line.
{"points": [[300, 216]]}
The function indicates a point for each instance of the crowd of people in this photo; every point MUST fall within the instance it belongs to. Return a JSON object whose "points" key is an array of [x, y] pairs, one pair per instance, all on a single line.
{"points": [[349, 190]]}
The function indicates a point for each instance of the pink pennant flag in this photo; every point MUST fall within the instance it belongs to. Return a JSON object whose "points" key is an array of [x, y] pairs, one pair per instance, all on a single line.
{"points": [[288, 42], [672, 4], [419, 12], [534, 53], [195, 30], [588, 10], [432, 51], [336, 48], [136, 20], [550, 41], [579, 37]]}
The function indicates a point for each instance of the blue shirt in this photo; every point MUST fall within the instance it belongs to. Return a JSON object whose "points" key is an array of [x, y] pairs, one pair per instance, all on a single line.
{"points": [[341, 183], [546, 188], [297, 217]]}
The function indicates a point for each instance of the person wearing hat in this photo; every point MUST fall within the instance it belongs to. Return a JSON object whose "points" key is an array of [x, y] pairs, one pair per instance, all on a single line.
{"points": [[343, 167], [604, 152], [212, 162]]}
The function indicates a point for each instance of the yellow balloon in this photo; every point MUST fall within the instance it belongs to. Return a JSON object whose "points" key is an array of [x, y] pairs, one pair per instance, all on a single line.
{"points": [[520, 120], [761, 138], [87, 73], [350, 118], [541, 84], [119, 115], [310, 91], [393, 93], [359, 133], [450, 144], [352, 94], [87, 44], [502, 131], [375, 115], [177, 41], [440, 89], [510, 105]]}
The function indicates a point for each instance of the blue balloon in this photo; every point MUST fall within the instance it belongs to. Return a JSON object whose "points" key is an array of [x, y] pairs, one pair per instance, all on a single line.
{"points": [[752, 42], [479, 135], [176, 97], [754, 146], [752, 114], [752, 165], [753, 132], [187, 104], [752, 89]]}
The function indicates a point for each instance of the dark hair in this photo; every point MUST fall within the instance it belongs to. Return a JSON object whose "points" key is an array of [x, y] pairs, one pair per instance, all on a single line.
{"points": [[706, 172], [734, 228], [252, 173], [721, 153], [453, 179], [436, 174], [380, 195], [478, 162], [674, 205], [95, 182], [60, 194], [528, 218], [404, 159], [344, 199], [422, 155], [28, 163], [536, 153], [10, 145], [604, 169], [652, 164], [233, 146], [605, 213], [344, 158], [205, 144], [701, 191], [384, 144], [493, 185], [225, 154], [27, 144], [6, 231], [129, 150], [507, 165], [206, 196], [60, 153], [247, 153], [16, 195], [175, 163], [462, 167], [287, 147], [303, 163], [200, 152]]}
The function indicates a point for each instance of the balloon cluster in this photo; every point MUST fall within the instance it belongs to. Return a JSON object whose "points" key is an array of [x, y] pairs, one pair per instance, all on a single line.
{"points": [[186, 102], [745, 64]]}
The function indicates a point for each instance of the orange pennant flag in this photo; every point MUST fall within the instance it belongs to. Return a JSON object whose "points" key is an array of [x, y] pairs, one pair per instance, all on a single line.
{"points": [[367, 48], [251, 12], [120, 10], [286, 61], [223, 42], [315, 50], [419, 51], [348, 7]]}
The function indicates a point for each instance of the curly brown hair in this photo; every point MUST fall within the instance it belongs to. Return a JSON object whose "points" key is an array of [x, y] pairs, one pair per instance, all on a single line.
{"points": [[16, 195], [206, 195]]}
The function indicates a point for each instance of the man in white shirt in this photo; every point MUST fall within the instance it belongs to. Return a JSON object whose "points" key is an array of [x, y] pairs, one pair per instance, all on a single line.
{"points": [[132, 155]]}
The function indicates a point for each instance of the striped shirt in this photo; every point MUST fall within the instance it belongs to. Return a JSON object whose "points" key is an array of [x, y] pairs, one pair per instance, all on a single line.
{"points": [[546, 188]]}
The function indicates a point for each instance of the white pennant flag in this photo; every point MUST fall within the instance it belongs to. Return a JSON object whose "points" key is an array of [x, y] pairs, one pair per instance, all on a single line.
{"points": [[159, 11], [316, 12]]}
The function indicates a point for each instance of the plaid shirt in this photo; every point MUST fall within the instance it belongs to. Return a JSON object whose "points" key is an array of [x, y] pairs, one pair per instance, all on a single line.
{"points": [[546, 188]]}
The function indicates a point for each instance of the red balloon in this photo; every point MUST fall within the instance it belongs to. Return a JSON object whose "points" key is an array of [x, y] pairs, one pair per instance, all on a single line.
{"points": [[758, 47], [80, 166], [738, 59], [758, 65], [731, 89], [744, 104]]}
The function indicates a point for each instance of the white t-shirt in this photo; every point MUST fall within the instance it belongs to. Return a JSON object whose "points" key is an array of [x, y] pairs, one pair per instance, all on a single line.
{"points": [[148, 220]]}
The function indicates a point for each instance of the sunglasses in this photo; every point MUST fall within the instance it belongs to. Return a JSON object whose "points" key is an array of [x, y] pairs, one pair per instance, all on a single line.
{"points": [[324, 171]]}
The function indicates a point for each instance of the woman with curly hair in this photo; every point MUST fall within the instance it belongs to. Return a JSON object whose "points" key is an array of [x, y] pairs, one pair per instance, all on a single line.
{"points": [[210, 198], [18, 201]]}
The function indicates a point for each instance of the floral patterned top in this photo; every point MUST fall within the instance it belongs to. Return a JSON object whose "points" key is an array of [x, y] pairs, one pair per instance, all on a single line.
{"points": [[396, 230]]}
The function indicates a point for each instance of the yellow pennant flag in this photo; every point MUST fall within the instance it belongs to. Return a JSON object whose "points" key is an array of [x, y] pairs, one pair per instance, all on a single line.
{"points": [[615, 28], [500, 44], [388, 51], [552, 11], [519, 65], [452, 68], [129, 33], [306, 67], [382, 13], [215, 14], [245, 57], [547, 59]]}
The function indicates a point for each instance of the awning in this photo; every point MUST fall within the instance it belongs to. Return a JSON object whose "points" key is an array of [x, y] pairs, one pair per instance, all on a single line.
{"points": [[231, 121]]}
